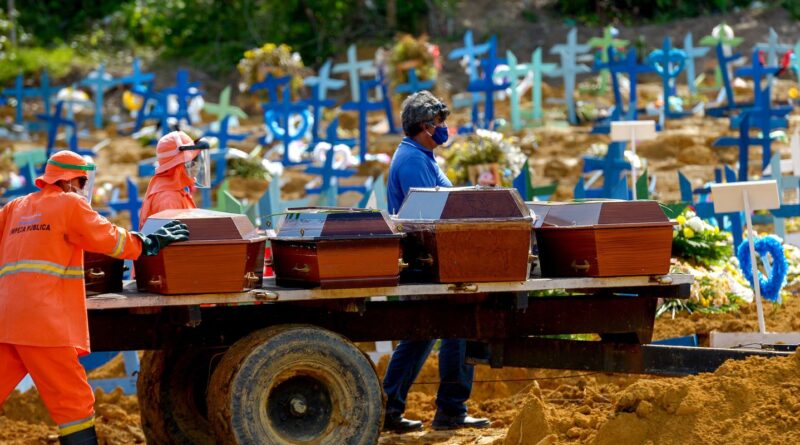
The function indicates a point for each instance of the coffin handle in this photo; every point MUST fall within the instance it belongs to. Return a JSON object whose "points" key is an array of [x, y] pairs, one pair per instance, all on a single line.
{"points": [[584, 266], [402, 264], [302, 269], [533, 258], [251, 279], [427, 260], [96, 273], [155, 281]]}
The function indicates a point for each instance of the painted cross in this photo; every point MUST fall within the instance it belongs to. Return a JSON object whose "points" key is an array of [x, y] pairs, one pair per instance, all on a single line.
{"points": [[704, 208], [45, 90], [54, 122], [271, 84], [612, 167], [323, 82], [132, 205], [758, 71], [513, 72], [136, 78], [524, 185], [222, 136], [603, 44], [224, 108], [725, 75], [363, 107], [692, 53], [27, 161], [19, 93], [486, 83], [154, 107], [330, 175], [632, 68], [745, 140], [317, 103], [470, 51], [568, 52], [538, 69], [98, 81], [270, 205], [183, 90], [353, 68], [414, 84], [668, 62], [773, 48], [382, 89], [786, 210], [794, 62], [278, 118]]}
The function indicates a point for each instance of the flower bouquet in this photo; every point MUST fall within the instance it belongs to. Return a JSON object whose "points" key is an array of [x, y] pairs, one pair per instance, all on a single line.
{"points": [[696, 240], [278, 60], [485, 158]]}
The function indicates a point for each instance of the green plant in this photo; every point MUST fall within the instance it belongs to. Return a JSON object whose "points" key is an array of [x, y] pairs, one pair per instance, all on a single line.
{"points": [[270, 58], [249, 168], [484, 147], [409, 52], [696, 240]]}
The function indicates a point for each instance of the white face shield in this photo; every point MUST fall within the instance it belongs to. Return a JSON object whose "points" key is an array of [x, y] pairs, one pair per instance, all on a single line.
{"points": [[198, 165]]}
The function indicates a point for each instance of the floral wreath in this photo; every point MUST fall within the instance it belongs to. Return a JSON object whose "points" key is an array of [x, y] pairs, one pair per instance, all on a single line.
{"points": [[770, 288]]}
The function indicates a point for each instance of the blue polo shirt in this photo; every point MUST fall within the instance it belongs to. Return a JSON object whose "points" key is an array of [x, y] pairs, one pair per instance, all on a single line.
{"points": [[412, 166]]}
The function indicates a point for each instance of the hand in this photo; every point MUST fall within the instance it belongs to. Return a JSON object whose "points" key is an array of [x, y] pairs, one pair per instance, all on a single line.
{"points": [[169, 233]]}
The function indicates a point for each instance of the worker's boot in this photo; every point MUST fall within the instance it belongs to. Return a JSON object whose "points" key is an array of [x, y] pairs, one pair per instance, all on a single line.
{"points": [[87, 436]]}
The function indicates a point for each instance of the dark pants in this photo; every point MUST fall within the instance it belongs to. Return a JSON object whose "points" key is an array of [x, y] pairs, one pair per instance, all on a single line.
{"points": [[454, 375]]}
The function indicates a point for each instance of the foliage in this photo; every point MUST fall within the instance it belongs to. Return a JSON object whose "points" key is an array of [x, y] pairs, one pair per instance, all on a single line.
{"points": [[409, 52], [247, 168], [271, 58], [696, 240], [716, 288], [608, 11], [484, 147]]}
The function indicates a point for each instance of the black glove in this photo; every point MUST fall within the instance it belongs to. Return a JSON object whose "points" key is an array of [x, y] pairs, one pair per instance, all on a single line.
{"points": [[169, 233]]}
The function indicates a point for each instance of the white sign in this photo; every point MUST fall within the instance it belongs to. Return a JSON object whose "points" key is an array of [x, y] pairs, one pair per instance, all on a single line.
{"points": [[633, 130], [729, 197]]}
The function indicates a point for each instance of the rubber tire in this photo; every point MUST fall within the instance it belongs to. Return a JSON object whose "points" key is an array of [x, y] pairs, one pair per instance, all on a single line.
{"points": [[172, 387], [240, 387]]}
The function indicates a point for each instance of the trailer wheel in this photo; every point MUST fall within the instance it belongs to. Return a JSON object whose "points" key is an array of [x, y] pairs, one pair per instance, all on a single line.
{"points": [[295, 384], [172, 396]]}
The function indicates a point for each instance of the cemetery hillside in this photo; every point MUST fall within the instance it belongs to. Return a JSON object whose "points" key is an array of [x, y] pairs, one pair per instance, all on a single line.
{"points": [[507, 222]]}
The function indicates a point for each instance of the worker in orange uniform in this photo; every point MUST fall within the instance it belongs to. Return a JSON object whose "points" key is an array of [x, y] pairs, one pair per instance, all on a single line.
{"points": [[43, 320], [183, 164]]}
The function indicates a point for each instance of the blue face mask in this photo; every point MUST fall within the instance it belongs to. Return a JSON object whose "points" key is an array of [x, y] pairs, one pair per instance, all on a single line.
{"points": [[440, 135]]}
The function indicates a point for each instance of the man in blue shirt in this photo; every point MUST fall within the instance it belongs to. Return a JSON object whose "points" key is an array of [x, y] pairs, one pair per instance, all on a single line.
{"points": [[414, 165]]}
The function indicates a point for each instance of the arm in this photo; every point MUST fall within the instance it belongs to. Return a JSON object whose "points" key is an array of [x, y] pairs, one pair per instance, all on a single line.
{"points": [[90, 231]]}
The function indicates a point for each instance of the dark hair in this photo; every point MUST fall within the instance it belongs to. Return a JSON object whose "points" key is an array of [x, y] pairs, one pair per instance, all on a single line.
{"points": [[421, 108]]}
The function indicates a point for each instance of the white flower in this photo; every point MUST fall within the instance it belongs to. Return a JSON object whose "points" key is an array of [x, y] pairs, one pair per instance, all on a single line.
{"points": [[696, 224]]}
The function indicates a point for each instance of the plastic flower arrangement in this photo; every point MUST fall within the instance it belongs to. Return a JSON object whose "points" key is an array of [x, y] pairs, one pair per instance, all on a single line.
{"points": [[271, 58], [409, 52], [716, 288], [696, 240], [484, 148]]}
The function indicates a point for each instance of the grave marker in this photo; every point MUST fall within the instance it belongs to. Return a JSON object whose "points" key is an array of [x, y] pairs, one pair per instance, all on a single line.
{"points": [[692, 53], [317, 102], [353, 67], [611, 168], [323, 81], [184, 91], [363, 107], [224, 108], [277, 116], [486, 83], [668, 62], [470, 51], [603, 44], [132, 205], [136, 78], [568, 52], [98, 81], [271, 84], [54, 122], [414, 84], [514, 72]]}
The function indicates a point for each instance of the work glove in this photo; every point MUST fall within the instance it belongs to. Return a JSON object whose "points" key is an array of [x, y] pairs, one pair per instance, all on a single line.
{"points": [[167, 234]]}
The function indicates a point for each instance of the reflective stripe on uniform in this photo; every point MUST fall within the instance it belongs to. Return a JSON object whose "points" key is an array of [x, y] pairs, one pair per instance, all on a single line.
{"points": [[120, 246], [73, 427], [44, 267]]}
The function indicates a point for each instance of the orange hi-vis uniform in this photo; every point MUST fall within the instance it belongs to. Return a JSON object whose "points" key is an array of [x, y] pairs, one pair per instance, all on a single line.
{"points": [[43, 319], [170, 187]]}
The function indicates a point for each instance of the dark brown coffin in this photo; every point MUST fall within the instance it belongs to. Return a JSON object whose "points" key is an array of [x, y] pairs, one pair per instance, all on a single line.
{"points": [[602, 238], [225, 253], [101, 273], [336, 248], [465, 235]]}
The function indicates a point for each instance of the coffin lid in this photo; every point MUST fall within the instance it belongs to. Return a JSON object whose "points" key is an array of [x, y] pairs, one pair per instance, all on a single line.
{"points": [[334, 223], [598, 214], [454, 204], [207, 226]]}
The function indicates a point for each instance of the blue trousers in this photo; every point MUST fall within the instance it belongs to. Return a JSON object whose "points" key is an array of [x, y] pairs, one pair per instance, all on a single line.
{"points": [[455, 376]]}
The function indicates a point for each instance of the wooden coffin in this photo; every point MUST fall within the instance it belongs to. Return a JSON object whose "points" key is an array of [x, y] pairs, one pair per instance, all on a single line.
{"points": [[101, 273], [225, 253], [602, 238], [465, 235], [336, 248]]}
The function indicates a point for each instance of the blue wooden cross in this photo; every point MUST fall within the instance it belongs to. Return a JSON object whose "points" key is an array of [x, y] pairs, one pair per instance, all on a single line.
{"points": [[53, 122], [323, 81], [414, 84], [470, 51], [384, 97], [317, 103], [45, 90], [222, 135], [616, 66], [277, 116], [786, 210], [136, 78], [353, 68], [724, 71], [705, 208], [758, 71], [27, 161], [184, 91], [330, 175], [223, 108], [692, 53], [19, 93], [99, 82], [763, 116], [363, 107], [132, 205], [154, 107], [668, 62], [614, 167], [486, 83], [569, 68], [147, 167], [271, 84]]}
